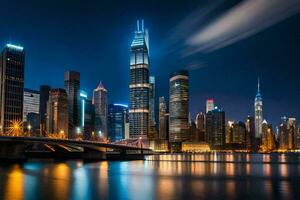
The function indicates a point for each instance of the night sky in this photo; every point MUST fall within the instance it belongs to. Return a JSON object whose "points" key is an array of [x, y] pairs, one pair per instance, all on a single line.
{"points": [[93, 37]]}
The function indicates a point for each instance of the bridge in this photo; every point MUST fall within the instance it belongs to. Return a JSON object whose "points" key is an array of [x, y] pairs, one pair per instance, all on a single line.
{"points": [[22, 147]]}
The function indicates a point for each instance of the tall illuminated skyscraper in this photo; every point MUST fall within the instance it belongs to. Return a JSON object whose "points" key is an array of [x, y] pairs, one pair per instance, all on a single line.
{"points": [[152, 100], [12, 61], [258, 112], [139, 84], [178, 108], [72, 87], [209, 105], [100, 103]]}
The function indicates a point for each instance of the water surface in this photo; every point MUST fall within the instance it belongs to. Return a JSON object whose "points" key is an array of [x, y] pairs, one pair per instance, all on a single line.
{"points": [[200, 176]]}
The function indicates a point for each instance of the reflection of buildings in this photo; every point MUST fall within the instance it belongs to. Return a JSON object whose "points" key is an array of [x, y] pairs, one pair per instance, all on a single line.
{"points": [[117, 119], [31, 102], [57, 113], [139, 84], [12, 62], [100, 103], [72, 87], [215, 128], [178, 108]]}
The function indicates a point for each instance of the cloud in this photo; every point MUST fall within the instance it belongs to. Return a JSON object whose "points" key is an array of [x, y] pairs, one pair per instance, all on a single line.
{"points": [[241, 21]]}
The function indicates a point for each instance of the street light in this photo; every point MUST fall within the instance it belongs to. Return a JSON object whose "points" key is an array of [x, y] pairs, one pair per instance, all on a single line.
{"points": [[29, 128]]}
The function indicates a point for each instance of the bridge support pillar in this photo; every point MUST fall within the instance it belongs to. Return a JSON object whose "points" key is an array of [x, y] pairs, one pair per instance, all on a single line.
{"points": [[12, 150], [91, 154]]}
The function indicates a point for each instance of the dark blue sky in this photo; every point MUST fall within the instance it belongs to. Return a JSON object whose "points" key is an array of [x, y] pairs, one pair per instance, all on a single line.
{"points": [[93, 37]]}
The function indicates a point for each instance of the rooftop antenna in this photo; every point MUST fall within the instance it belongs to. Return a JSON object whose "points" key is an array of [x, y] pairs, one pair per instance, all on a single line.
{"points": [[258, 85]]}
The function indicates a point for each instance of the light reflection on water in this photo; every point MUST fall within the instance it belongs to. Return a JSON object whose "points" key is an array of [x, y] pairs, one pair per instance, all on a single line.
{"points": [[190, 176]]}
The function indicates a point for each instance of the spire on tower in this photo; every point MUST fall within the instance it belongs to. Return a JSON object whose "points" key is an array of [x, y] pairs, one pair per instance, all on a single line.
{"points": [[258, 85]]}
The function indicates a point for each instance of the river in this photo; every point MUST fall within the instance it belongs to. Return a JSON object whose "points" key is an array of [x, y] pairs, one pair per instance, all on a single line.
{"points": [[177, 176]]}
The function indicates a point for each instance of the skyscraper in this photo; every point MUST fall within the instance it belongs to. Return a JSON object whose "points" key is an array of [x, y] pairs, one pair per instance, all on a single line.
{"points": [[178, 108], [44, 97], [139, 84], [250, 132], [200, 125], [209, 105], [162, 119], [152, 100], [268, 139], [100, 103], [153, 134], [57, 113], [72, 87], [117, 117], [12, 63], [215, 128], [31, 102], [258, 112]]}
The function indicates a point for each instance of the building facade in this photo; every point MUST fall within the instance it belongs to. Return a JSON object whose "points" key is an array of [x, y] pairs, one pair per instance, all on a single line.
{"points": [[250, 133], [117, 119], [200, 125], [139, 112], [162, 119], [72, 87], [31, 102], [100, 104], [178, 108], [57, 113], [258, 112], [44, 97], [12, 63], [215, 128]]}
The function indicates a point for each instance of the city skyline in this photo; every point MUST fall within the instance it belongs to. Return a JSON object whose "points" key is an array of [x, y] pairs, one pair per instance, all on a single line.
{"points": [[207, 78]]}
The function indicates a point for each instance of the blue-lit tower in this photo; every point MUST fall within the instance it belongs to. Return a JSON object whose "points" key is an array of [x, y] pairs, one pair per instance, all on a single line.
{"points": [[258, 112], [139, 84]]}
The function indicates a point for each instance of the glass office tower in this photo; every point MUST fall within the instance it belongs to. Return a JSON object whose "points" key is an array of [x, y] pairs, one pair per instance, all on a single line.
{"points": [[12, 63], [178, 108], [139, 84]]}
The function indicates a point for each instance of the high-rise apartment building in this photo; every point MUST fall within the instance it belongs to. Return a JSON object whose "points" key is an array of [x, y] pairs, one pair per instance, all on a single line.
{"points": [[139, 112], [12, 63]]}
